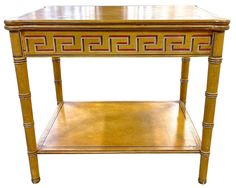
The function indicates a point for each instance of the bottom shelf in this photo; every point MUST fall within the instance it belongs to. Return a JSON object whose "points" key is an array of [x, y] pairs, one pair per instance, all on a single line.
{"points": [[120, 127]]}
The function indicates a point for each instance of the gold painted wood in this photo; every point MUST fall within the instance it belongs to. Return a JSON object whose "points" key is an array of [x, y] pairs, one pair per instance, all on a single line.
{"points": [[210, 102], [148, 31], [26, 106], [57, 78], [184, 79], [119, 17], [104, 43], [120, 127]]}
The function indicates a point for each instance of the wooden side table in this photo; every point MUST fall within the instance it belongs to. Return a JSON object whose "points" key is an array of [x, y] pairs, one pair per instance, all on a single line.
{"points": [[118, 127]]}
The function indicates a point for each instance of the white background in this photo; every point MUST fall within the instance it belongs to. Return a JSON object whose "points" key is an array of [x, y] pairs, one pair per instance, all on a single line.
{"points": [[116, 79]]}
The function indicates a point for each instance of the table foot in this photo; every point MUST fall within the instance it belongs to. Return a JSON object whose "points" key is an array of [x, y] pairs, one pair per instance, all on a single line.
{"points": [[35, 181], [202, 181]]}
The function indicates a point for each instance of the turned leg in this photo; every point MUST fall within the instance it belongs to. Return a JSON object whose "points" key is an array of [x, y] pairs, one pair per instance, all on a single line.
{"points": [[57, 78], [26, 106], [215, 60], [184, 79]]}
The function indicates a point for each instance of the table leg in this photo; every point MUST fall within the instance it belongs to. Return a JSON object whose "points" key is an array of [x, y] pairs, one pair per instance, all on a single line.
{"points": [[184, 79], [57, 78], [211, 93], [26, 106]]}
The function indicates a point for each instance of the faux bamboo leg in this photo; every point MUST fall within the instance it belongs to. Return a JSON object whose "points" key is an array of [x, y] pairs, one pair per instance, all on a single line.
{"points": [[211, 93], [26, 106], [57, 78], [25, 99], [184, 79]]}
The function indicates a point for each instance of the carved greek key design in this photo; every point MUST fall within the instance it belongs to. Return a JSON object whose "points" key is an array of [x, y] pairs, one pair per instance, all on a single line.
{"points": [[111, 43]]}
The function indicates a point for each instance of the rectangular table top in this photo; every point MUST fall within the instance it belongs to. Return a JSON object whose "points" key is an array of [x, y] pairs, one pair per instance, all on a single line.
{"points": [[119, 15]]}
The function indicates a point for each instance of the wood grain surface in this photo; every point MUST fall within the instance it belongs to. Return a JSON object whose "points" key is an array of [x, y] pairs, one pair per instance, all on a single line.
{"points": [[136, 13], [120, 127]]}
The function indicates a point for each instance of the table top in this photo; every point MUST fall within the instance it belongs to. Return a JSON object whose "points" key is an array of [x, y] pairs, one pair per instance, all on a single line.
{"points": [[118, 14]]}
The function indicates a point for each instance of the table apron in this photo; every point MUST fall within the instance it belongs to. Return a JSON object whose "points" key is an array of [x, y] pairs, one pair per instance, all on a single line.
{"points": [[116, 43]]}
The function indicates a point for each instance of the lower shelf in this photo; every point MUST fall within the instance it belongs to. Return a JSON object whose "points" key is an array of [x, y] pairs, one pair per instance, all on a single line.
{"points": [[120, 127]]}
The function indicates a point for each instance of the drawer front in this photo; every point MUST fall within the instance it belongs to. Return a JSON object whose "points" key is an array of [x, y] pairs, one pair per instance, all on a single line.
{"points": [[111, 43]]}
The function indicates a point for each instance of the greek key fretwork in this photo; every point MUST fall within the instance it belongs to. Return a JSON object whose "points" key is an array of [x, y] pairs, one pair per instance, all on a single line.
{"points": [[111, 43]]}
